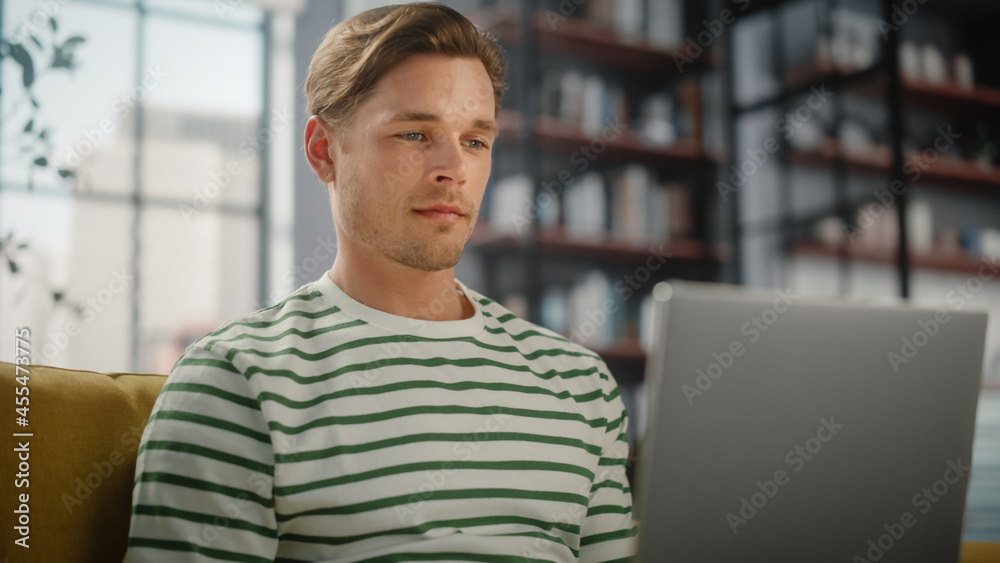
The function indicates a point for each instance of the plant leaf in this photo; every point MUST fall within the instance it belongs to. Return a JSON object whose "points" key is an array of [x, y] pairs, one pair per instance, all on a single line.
{"points": [[22, 246], [34, 39], [13, 267], [53, 24], [66, 173], [57, 296], [41, 161], [29, 125], [23, 58]]}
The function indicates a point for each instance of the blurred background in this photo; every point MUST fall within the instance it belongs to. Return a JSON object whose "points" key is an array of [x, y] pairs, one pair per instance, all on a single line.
{"points": [[152, 184]]}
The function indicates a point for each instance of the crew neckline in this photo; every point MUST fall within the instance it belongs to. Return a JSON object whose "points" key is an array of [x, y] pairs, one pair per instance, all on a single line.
{"points": [[471, 326]]}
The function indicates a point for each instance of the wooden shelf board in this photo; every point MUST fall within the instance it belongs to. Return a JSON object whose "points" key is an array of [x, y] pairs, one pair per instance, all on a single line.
{"points": [[586, 40], [931, 260], [877, 161], [556, 242], [948, 97], [554, 135]]}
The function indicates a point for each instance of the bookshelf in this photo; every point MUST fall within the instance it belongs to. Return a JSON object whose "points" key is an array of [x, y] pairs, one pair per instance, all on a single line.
{"points": [[539, 143]]}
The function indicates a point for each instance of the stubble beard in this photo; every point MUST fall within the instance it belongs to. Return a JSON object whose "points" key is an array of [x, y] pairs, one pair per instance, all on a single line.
{"points": [[371, 225]]}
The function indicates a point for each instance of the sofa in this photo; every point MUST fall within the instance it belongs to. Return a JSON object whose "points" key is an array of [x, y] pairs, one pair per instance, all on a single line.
{"points": [[86, 428]]}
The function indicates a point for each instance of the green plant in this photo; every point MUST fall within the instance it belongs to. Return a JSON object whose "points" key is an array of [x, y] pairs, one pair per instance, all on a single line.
{"points": [[36, 55]]}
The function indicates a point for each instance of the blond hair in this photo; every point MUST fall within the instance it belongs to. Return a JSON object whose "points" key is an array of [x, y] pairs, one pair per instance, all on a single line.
{"points": [[357, 52]]}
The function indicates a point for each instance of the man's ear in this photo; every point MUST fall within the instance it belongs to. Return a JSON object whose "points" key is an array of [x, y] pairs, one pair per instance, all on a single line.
{"points": [[319, 141]]}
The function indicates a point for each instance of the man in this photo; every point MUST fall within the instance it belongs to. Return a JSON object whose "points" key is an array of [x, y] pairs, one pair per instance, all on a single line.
{"points": [[386, 412]]}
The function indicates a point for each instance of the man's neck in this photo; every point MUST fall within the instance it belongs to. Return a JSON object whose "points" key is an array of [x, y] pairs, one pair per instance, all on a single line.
{"points": [[400, 290]]}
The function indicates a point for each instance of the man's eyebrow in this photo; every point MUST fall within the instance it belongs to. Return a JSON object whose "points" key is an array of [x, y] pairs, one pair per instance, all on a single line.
{"points": [[488, 125]]}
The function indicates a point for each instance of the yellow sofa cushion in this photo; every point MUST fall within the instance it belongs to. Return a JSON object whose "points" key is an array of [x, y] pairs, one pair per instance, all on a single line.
{"points": [[82, 455]]}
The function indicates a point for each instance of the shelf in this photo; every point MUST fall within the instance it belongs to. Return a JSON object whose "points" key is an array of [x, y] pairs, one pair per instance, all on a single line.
{"points": [[556, 242], [876, 161], [554, 135], [579, 38], [931, 260], [873, 83]]}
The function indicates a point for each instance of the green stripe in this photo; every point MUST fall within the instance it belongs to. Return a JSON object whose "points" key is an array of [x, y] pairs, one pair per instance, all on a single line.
{"points": [[429, 362], [168, 545], [611, 461], [554, 539], [608, 509], [202, 485], [609, 484], [516, 465], [432, 409], [186, 361], [608, 536], [248, 402], [395, 339], [456, 494], [435, 437], [427, 526], [263, 324], [201, 451], [212, 422], [304, 334], [426, 384], [207, 519]]}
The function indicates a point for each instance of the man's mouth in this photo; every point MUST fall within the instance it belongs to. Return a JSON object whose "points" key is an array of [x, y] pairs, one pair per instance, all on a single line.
{"points": [[447, 214]]}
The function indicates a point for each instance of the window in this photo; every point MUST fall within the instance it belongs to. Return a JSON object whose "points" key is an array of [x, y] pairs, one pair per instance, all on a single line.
{"points": [[155, 236]]}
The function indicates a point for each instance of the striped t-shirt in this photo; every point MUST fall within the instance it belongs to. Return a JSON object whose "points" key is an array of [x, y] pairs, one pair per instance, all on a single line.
{"points": [[320, 429]]}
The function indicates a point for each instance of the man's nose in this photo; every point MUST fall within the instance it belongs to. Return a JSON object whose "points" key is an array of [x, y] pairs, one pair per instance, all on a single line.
{"points": [[447, 162]]}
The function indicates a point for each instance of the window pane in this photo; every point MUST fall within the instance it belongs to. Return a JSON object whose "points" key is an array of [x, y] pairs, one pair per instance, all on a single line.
{"points": [[195, 275], [82, 249], [235, 11], [200, 127], [86, 113]]}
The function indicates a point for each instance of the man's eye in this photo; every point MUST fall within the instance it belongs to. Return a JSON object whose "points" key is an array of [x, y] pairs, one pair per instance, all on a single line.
{"points": [[477, 144], [411, 136]]}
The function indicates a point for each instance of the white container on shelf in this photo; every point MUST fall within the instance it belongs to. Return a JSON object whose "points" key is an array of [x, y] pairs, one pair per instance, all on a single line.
{"points": [[920, 225], [933, 63], [909, 61], [585, 207], [962, 68]]}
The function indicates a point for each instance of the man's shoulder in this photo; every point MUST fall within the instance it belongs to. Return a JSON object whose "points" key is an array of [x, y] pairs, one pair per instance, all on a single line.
{"points": [[500, 320], [303, 306]]}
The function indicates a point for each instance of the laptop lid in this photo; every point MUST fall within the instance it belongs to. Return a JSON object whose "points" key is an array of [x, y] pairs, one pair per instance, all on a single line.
{"points": [[791, 429]]}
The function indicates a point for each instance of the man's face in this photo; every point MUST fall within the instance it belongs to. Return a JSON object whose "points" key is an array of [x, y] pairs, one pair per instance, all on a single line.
{"points": [[411, 175]]}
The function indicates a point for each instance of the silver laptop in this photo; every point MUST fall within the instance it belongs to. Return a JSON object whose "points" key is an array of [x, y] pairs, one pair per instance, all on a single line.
{"points": [[787, 429]]}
